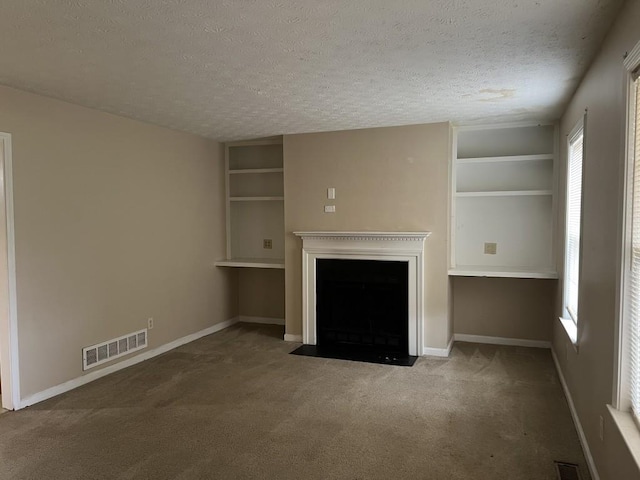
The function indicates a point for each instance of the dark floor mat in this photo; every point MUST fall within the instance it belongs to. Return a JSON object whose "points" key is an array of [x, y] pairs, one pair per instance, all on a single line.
{"points": [[356, 355]]}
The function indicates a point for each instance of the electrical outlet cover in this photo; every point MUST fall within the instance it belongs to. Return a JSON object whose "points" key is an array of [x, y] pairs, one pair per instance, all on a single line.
{"points": [[490, 248]]}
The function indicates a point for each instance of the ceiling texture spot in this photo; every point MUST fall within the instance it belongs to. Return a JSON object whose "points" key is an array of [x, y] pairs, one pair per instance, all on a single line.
{"points": [[232, 70]]}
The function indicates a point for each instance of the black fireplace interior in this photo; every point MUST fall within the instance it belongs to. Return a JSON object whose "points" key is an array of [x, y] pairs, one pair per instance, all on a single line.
{"points": [[362, 311]]}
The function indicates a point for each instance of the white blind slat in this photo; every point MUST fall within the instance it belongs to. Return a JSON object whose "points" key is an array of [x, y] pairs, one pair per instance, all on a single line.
{"points": [[574, 206]]}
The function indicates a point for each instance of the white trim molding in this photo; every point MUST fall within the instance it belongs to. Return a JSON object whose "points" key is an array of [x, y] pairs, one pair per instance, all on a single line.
{"points": [[622, 370], [438, 352], [576, 420], [261, 320], [514, 342], [103, 372], [628, 431], [382, 246], [9, 355], [364, 236], [290, 337]]}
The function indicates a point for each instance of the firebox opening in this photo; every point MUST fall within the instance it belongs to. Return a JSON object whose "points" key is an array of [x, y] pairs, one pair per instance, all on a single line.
{"points": [[362, 305]]}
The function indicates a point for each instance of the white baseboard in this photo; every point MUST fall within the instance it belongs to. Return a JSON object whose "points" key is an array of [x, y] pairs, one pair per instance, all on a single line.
{"points": [[264, 320], [514, 342], [438, 352], [576, 421], [292, 338], [144, 355]]}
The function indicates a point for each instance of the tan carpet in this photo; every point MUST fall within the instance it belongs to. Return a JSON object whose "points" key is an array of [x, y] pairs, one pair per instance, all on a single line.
{"points": [[235, 405]]}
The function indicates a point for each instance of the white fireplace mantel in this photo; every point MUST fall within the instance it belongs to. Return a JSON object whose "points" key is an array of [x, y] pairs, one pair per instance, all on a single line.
{"points": [[384, 246]]}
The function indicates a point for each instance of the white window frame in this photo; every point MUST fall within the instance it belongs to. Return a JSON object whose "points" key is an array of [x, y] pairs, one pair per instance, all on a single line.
{"points": [[621, 410], [570, 319], [623, 370]]}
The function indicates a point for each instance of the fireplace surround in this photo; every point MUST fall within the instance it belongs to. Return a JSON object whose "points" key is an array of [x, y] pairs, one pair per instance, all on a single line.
{"points": [[407, 247]]}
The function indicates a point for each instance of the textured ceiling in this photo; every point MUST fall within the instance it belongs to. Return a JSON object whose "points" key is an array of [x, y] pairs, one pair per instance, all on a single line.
{"points": [[232, 69]]}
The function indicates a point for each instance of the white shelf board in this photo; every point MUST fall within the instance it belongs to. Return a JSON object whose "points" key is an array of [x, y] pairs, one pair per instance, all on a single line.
{"points": [[499, 271], [256, 199], [252, 263], [255, 170], [505, 193], [510, 158]]}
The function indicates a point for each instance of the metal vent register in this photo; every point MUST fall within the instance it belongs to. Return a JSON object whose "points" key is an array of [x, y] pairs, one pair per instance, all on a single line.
{"points": [[567, 471], [114, 348]]}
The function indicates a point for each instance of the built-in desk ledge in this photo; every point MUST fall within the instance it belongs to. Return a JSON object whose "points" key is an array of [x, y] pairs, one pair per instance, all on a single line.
{"points": [[252, 263], [499, 271]]}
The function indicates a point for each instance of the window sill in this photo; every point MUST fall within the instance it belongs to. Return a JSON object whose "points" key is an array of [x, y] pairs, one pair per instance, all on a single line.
{"points": [[628, 430], [572, 331]]}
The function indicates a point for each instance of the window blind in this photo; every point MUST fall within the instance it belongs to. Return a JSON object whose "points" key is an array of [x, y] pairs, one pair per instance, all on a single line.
{"points": [[633, 294], [574, 206]]}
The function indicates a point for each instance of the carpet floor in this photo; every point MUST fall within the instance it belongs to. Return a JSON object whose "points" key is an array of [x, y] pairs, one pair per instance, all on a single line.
{"points": [[236, 405]]}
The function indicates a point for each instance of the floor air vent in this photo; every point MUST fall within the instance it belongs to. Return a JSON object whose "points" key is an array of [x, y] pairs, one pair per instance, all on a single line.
{"points": [[103, 352], [567, 471]]}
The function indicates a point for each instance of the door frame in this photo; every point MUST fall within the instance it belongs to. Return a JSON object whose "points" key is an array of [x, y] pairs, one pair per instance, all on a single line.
{"points": [[9, 359]]}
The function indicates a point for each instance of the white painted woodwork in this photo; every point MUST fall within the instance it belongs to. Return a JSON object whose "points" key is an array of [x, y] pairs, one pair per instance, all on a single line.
{"points": [[255, 204], [9, 357], [252, 262], [382, 246], [256, 199], [503, 192], [501, 271]]}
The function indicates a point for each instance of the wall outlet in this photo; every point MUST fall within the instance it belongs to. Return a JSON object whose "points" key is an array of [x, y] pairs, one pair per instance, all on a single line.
{"points": [[490, 248], [601, 429], [267, 243], [331, 193], [329, 209], [149, 323]]}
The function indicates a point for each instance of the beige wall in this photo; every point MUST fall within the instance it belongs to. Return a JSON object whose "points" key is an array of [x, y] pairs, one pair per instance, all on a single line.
{"points": [[115, 221], [386, 179], [504, 307], [590, 372], [261, 293]]}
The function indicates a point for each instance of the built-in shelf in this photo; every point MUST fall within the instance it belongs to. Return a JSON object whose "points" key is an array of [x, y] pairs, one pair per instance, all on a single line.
{"points": [[256, 199], [255, 204], [503, 201], [256, 171], [500, 271], [509, 158], [511, 193], [252, 263]]}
